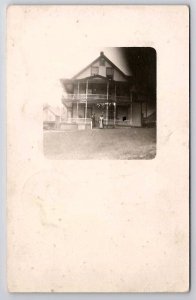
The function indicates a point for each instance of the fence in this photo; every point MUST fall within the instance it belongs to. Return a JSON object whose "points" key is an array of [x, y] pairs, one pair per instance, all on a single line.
{"points": [[79, 120], [82, 123]]}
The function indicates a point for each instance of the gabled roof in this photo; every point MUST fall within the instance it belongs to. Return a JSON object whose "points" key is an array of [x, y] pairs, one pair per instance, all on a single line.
{"points": [[102, 55], [51, 109]]}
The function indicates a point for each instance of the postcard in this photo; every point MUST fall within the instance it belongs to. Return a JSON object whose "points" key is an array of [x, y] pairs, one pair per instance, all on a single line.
{"points": [[98, 148]]}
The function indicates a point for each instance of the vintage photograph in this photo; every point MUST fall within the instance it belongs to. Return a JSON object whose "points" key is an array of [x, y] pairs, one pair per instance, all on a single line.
{"points": [[107, 109]]}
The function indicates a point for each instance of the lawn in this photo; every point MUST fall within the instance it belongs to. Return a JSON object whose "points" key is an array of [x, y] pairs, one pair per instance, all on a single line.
{"points": [[118, 143]]}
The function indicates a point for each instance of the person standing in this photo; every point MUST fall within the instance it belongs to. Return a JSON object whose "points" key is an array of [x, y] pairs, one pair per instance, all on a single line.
{"points": [[101, 125]]}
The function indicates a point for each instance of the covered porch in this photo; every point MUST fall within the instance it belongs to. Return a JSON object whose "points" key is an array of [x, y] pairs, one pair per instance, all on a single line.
{"points": [[114, 113], [97, 95]]}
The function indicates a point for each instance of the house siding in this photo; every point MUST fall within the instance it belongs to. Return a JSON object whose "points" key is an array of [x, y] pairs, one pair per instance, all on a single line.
{"points": [[102, 71]]}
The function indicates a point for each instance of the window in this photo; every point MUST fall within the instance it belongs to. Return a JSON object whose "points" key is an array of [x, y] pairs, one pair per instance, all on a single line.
{"points": [[109, 72], [102, 61], [94, 70]]}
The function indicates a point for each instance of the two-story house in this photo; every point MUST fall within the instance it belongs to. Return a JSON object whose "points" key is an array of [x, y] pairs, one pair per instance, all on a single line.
{"points": [[101, 88]]}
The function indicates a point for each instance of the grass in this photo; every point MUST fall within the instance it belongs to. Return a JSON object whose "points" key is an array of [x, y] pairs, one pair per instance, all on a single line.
{"points": [[119, 143]]}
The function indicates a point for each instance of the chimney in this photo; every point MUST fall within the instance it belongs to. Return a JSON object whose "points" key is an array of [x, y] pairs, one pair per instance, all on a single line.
{"points": [[101, 53]]}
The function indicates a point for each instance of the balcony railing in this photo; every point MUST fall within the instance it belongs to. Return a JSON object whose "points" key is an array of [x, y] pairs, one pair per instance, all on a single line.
{"points": [[94, 97]]}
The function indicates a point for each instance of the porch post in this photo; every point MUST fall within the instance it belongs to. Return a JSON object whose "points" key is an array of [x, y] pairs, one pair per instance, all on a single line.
{"points": [[86, 106], [107, 103], [107, 113], [86, 100], [86, 89], [78, 97], [115, 104], [131, 107], [107, 90], [77, 108], [114, 113]]}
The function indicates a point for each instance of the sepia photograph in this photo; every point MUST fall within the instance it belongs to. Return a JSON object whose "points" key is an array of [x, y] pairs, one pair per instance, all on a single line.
{"points": [[107, 110]]}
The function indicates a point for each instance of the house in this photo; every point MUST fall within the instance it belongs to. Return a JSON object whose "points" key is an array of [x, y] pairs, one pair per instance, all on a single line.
{"points": [[101, 88], [51, 117]]}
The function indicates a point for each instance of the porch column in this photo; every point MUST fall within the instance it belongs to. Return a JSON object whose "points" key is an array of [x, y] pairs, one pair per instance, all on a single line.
{"points": [[107, 103], [86, 105], [131, 107], [114, 113], [86, 89], [115, 104], [78, 97], [77, 109]]}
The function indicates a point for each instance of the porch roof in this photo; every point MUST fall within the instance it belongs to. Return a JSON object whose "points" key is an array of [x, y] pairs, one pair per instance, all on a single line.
{"points": [[92, 79]]}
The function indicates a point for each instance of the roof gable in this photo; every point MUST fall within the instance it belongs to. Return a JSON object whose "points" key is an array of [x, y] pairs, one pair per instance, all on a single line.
{"points": [[86, 72]]}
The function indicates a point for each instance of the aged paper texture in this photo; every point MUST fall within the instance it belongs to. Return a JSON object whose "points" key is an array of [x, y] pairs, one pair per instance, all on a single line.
{"points": [[83, 215]]}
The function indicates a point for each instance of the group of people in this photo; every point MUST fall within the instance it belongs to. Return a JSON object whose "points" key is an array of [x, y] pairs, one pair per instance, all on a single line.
{"points": [[101, 121]]}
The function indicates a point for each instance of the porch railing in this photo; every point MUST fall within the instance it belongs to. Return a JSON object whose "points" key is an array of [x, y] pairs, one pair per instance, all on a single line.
{"points": [[110, 121], [79, 120]]}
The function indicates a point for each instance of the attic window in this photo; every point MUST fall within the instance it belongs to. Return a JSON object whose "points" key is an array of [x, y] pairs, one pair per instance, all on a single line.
{"points": [[102, 61], [94, 70], [109, 72]]}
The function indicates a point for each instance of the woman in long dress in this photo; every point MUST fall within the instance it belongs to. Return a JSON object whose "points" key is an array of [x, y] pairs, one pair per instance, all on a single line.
{"points": [[101, 122]]}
